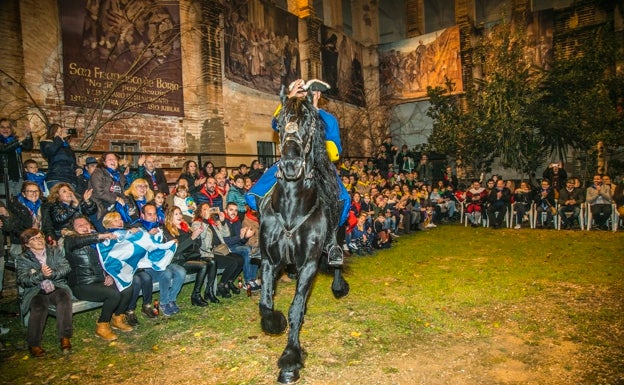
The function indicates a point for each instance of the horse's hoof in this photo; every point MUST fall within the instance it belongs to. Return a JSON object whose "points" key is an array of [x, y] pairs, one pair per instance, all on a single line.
{"points": [[288, 376], [342, 292]]}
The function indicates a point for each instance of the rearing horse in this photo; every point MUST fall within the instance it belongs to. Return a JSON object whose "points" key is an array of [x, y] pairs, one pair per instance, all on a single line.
{"points": [[299, 219]]}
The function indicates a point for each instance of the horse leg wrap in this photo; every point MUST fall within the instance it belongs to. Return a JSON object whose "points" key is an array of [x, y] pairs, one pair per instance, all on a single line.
{"points": [[335, 255]]}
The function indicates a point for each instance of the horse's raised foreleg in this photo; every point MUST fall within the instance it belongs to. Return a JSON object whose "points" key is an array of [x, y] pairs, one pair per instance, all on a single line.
{"points": [[292, 358], [272, 321]]}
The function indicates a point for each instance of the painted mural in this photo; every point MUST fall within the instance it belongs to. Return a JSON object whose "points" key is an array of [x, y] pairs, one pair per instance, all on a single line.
{"points": [[123, 55], [261, 45], [408, 67], [342, 66]]}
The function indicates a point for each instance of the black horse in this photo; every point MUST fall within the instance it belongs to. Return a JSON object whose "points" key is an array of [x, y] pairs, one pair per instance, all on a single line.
{"points": [[299, 221]]}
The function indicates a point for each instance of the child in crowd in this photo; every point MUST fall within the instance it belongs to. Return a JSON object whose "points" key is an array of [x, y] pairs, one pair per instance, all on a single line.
{"points": [[32, 173], [185, 203], [161, 207]]}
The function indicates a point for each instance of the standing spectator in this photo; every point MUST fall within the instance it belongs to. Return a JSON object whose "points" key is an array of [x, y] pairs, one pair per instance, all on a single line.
{"points": [[570, 200], [11, 166], [90, 282], [598, 197], [404, 160], [618, 197], [108, 184], [4, 224], [425, 169], [55, 148], [41, 272], [500, 200], [83, 179], [556, 176], [155, 176]]}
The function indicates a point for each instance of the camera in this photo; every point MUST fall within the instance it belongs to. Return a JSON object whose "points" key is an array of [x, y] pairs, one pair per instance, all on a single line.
{"points": [[214, 210], [71, 131]]}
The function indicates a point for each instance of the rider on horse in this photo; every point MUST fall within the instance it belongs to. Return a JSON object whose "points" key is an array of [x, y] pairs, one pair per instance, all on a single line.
{"points": [[298, 88]]}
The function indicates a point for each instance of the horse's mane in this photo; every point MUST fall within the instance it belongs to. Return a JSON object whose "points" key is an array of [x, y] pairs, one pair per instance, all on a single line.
{"points": [[324, 177]]}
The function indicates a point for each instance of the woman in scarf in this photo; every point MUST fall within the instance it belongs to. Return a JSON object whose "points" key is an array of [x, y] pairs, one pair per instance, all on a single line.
{"points": [[27, 210], [208, 220], [108, 184], [138, 194], [190, 172], [187, 254], [41, 272]]}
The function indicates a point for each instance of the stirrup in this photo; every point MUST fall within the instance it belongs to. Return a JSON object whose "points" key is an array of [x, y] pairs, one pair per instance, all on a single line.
{"points": [[335, 255]]}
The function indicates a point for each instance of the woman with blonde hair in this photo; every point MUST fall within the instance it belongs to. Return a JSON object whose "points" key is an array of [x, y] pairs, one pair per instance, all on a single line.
{"points": [[138, 194]]}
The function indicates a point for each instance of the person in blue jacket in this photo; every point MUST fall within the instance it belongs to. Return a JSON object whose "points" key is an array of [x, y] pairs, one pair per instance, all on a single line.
{"points": [[299, 88]]}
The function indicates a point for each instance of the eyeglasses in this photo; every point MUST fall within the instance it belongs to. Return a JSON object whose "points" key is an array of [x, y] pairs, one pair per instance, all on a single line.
{"points": [[36, 238], [31, 191], [5, 127], [142, 185]]}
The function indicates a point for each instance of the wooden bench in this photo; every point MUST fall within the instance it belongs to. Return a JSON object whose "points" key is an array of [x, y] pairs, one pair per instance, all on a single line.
{"points": [[79, 306]]}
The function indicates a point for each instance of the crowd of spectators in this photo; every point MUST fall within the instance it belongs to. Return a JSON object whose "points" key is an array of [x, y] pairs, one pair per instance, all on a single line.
{"points": [[58, 222]]}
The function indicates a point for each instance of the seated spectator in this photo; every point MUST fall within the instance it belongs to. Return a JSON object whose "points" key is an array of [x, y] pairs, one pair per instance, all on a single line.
{"points": [[545, 204], [618, 198], [256, 170], [185, 202], [170, 280], [147, 170], [251, 221], [598, 197], [41, 273], [475, 199], [570, 200], [381, 233], [137, 196], [187, 254], [237, 242], [499, 201], [417, 210], [90, 282], [236, 194], [191, 174], [523, 199], [232, 264], [64, 206], [362, 238], [208, 193], [159, 202], [27, 211], [32, 173], [208, 169]]}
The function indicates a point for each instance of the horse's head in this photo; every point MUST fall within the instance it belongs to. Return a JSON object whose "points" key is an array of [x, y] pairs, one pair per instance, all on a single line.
{"points": [[297, 122]]}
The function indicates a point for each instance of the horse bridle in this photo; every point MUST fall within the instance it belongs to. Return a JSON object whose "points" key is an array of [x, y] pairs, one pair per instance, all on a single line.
{"points": [[291, 133]]}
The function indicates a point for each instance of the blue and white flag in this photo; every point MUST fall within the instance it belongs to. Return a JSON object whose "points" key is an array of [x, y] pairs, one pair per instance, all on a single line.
{"points": [[121, 257]]}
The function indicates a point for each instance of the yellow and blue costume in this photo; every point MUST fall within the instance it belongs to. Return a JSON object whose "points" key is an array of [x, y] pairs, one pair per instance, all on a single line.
{"points": [[334, 149]]}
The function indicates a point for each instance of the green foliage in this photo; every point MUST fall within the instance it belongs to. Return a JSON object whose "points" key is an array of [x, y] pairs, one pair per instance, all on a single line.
{"points": [[523, 114]]}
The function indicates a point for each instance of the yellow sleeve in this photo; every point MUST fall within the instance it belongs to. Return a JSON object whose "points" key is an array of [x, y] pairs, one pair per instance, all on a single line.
{"points": [[332, 150]]}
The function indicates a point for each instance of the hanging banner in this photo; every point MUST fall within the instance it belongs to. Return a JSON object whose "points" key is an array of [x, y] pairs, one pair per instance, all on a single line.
{"points": [[122, 55]]}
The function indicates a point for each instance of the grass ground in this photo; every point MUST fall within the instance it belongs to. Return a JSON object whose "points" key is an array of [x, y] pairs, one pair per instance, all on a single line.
{"points": [[453, 305]]}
